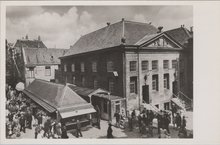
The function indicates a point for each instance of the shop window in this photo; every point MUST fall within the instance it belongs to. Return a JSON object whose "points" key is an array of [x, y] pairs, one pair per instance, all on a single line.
{"points": [[47, 71], [155, 85], [30, 72], [133, 65]]}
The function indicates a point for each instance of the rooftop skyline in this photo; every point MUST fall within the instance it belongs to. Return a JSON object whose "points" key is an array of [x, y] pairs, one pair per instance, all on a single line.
{"points": [[62, 26]]}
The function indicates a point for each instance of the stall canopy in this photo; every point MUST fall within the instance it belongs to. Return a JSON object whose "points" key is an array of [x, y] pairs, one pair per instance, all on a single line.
{"points": [[57, 97], [86, 93]]}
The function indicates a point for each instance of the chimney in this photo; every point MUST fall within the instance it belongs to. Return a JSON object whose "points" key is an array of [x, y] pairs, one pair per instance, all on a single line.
{"points": [[123, 19], [108, 23], [38, 38], [182, 26], [159, 29], [26, 37]]}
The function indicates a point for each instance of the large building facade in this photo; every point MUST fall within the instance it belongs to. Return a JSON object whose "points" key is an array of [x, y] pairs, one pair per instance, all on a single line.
{"points": [[132, 60]]}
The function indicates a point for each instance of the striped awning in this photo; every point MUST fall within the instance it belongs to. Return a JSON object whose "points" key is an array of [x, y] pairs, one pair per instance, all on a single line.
{"points": [[42, 103]]}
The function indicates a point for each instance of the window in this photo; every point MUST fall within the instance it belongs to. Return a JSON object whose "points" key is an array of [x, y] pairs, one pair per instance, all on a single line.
{"points": [[154, 65], [165, 64], [133, 65], [83, 80], [94, 66], [144, 65], [73, 67], [133, 84], [30, 72], [74, 80], [65, 68], [47, 71], [174, 64], [105, 106], [111, 85], [155, 82], [166, 81], [82, 67], [95, 83], [110, 66]]}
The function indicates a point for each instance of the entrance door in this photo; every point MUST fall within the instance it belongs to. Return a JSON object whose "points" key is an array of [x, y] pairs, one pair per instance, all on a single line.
{"points": [[145, 92], [175, 87], [117, 106]]}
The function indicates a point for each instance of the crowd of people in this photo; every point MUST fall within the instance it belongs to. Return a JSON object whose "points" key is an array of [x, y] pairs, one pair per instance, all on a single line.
{"points": [[22, 114], [147, 121]]}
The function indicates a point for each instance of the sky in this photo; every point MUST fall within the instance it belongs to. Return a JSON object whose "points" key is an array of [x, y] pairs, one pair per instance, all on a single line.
{"points": [[62, 26]]}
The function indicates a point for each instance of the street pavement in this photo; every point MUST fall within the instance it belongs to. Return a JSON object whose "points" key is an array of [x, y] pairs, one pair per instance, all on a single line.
{"points": [[94, 132]]}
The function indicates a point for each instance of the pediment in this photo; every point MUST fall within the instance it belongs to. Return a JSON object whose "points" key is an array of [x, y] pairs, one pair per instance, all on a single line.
{"points": [[161, 41]]}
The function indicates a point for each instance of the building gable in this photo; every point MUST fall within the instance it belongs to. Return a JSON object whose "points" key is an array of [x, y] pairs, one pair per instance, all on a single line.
{"points": [[159, 41]]}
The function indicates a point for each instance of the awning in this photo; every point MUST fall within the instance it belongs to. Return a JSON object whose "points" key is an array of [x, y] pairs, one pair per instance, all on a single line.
{"points": [[76, 112], [178, 103], [42, 103], [151, 107]]}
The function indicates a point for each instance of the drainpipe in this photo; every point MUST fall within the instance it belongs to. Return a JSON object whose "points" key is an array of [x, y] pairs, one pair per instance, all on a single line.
{"points": [[139, 83]]}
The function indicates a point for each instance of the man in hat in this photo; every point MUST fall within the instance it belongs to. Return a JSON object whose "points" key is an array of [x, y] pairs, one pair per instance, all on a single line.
{"points": [[22, 122], [78, 129], [109, 131]]}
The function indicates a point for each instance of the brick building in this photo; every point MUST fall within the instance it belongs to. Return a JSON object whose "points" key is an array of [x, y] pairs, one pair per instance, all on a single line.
{"points": [[133, 60]]}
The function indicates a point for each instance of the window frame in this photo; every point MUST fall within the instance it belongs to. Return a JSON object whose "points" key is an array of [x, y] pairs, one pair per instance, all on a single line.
{"points": [[166, 81], [156, 61], [166, 64], [73, 67], [155, 82], [47, 68], [110, 66], [133, 66], [111, 85], [94, 66], [145, 64], [82, 67], [65, 67]]}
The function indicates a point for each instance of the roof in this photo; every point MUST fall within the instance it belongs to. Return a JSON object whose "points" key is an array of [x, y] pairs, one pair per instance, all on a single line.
{"points": [[85, 91], [110, 36], [29, 44], [35, 56], [54, 95], [181, 35], [109, 97], [146, 38]]}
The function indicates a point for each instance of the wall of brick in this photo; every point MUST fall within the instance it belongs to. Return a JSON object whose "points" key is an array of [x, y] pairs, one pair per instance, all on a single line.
{"points": [[101, 75]]}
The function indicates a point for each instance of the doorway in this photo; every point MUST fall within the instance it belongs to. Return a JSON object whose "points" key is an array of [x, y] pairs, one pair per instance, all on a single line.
{"points": [[145, 92]]}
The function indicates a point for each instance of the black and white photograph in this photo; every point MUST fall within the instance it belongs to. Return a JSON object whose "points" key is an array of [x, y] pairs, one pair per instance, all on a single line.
{"points": [[102, 72]]}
